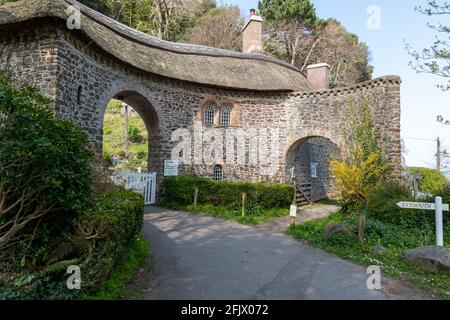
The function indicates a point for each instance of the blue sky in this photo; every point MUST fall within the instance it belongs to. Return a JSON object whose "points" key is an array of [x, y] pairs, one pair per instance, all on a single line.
{"points": [[421, 100]]}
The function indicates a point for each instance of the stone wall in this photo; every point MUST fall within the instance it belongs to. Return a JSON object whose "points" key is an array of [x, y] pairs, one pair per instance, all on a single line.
{"points": [[82, 79]]}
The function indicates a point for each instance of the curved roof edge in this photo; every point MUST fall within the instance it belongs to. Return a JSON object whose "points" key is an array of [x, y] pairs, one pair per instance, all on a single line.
{"points": [[186, 62]]}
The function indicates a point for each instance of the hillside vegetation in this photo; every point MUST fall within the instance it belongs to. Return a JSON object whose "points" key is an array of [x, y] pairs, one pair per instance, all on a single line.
{"points": [[114, 151]]}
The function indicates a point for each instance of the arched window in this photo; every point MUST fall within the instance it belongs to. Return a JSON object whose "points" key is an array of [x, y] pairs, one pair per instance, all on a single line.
{"points": [[218, 172], [209, 116], [225, 117]]}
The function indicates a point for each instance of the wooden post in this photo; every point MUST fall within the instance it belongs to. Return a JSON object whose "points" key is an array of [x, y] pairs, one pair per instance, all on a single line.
{"points": [[361, 227], [244, 204], [292, 222], [195, 198]]}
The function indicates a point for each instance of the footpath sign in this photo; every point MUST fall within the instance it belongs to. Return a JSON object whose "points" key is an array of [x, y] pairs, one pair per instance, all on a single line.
{"points": [[438, 207], [171, 168], [421, 205]]}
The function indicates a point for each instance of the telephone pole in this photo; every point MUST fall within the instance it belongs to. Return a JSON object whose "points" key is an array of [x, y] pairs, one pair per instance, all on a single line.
{"points": [[438, 155]]}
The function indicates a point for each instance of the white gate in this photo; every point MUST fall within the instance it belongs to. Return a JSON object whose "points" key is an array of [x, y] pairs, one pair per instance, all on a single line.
{"points": [[144, 183]]}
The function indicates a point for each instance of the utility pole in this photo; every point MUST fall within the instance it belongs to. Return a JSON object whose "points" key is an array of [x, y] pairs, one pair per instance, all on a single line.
{"points": [[438, 155], [125, 110]]}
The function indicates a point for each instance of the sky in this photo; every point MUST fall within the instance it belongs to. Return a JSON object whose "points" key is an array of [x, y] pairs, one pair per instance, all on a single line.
{"points": [[421, 101]]}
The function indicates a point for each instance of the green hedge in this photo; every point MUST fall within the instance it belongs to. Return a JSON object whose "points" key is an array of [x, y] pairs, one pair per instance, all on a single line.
{"points": [[382, 206], [118, 218], [97, 240], [433, 181], [229, 194]]}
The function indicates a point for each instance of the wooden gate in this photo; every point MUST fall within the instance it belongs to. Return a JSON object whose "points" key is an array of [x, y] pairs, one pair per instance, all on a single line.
{"points": [[144, 183]]}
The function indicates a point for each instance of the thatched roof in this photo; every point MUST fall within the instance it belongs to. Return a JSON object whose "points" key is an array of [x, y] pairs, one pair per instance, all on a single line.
{"points": [[193, 63]]}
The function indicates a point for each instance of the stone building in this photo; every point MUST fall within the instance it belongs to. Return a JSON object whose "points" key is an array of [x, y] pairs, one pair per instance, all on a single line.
{"points": [[236, 116]]}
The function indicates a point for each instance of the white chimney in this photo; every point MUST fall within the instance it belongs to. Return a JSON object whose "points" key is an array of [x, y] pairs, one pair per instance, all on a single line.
{"points": [[252, 34], [319, 76]]}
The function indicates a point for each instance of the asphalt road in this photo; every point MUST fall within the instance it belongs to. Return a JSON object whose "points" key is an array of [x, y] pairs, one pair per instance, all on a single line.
{"points": [[198, 257]]}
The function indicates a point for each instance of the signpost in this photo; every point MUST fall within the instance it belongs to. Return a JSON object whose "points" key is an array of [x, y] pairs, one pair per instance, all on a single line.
{"points": [[438, 207], [293, 214]]}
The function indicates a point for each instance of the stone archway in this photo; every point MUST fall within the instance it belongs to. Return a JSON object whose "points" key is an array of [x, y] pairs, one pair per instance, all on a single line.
{"points": [[307, 164], [137, 98]]}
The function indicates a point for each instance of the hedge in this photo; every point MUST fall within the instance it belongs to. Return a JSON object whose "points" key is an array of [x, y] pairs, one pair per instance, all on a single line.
{"points": [[99, 240], [118, 218], [433, 181], [180, 190]]}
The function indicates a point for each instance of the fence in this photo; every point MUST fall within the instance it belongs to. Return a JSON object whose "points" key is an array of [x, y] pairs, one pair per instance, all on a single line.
{"points": [[144, 183]]}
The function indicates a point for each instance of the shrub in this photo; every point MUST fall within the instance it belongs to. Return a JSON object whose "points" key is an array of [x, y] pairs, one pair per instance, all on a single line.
{"points": [[97, 241], [357, 179], [111, 224], [433, 181], [134, 135], [44, 162], [229, 194], [382, 205]]}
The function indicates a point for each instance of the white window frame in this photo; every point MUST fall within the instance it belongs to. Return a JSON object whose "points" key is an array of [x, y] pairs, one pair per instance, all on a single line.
{"points": [[314, 171], [225, 116], [209, 116]]}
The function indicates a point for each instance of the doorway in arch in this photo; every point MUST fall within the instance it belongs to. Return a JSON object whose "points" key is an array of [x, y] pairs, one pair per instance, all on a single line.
{"points": [[307, 165]]}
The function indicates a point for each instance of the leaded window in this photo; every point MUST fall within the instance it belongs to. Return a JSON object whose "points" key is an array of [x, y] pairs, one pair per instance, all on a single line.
{"points": [[218, 172], [209, 116], [225, 117]]}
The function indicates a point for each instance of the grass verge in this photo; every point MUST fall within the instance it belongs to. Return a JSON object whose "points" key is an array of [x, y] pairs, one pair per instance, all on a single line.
{"points": [[254, 216], [115, 287], [395, 239]]}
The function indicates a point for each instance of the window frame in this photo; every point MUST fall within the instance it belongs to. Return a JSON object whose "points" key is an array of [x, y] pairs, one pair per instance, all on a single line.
{"points": [[226, 109], [209, 114], [314, 170], [216, 175]]}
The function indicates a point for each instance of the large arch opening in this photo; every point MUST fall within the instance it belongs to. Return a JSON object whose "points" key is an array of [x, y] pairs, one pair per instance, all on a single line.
{"points": [[307, 165], [130, 140]]}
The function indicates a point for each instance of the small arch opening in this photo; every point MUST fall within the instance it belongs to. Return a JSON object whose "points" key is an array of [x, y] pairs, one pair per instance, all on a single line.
{"points": [[218, 173], [79, 94]]}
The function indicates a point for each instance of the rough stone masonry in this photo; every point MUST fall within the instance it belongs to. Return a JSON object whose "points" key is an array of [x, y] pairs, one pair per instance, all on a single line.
{"points": [[172, 86]]}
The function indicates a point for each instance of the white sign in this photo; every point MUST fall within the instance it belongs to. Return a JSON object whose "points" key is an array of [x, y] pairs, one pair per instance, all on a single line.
{"points": [[421, 205], [171, 168], [438, 207], [293, 211]]}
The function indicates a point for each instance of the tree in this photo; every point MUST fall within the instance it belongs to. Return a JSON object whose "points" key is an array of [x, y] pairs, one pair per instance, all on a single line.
{"points": [[294, 33], [435, 59], [45, 167], [289, 24], [347, 56], [219, 27]]}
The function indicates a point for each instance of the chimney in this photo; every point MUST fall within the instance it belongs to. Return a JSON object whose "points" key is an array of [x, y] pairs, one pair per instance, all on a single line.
{"points": [[319, 76], [252, 34]]}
